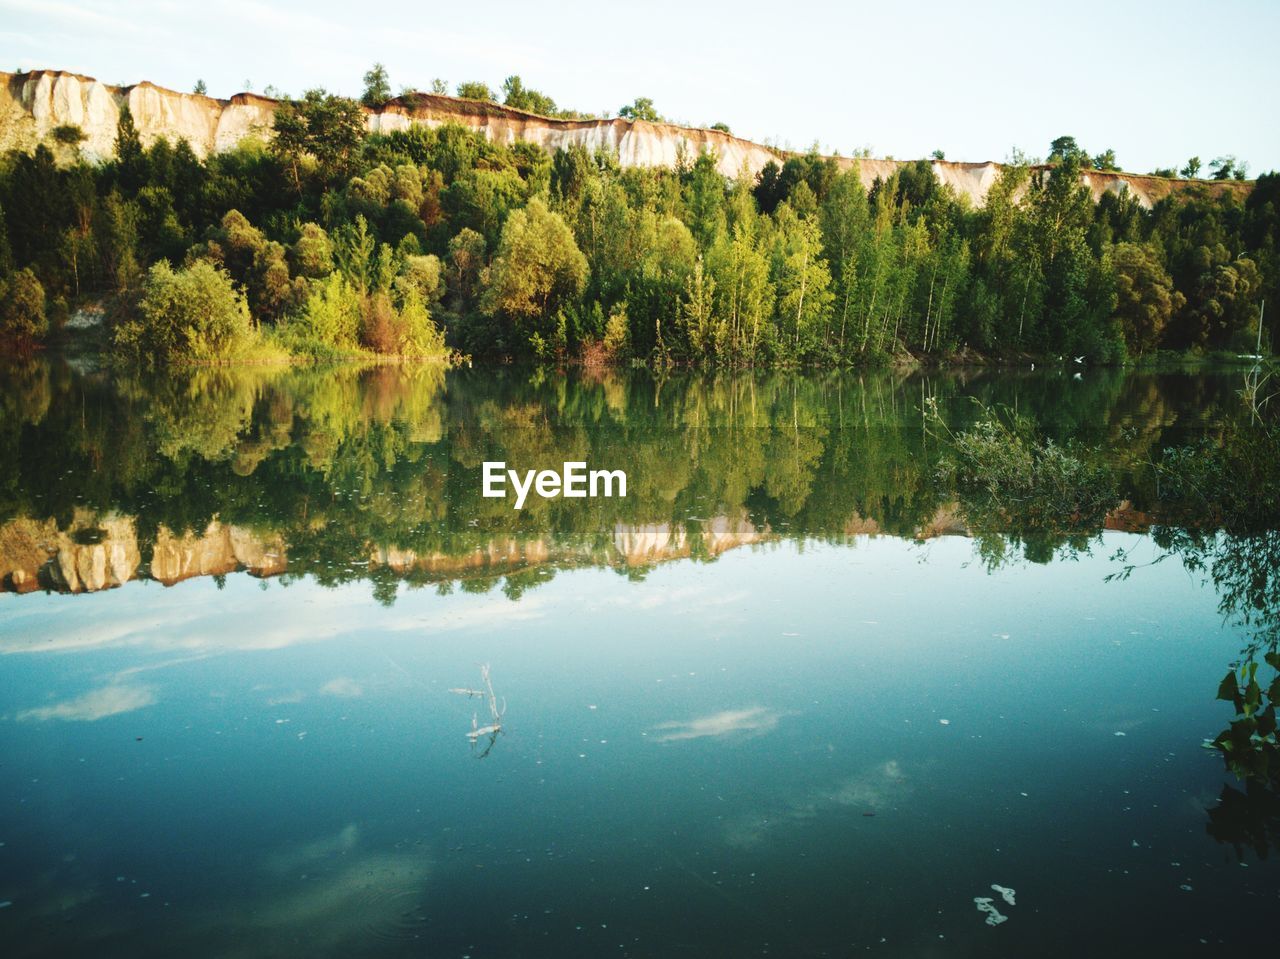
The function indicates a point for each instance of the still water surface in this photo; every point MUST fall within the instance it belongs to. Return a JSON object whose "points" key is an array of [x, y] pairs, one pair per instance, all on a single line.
{"points": [[792, 697]]}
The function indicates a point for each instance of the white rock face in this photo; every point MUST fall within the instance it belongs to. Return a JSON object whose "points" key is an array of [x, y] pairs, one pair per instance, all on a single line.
{"points": [[33, 104]]}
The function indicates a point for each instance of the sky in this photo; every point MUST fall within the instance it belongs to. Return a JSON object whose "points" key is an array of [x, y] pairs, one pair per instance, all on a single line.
{"points": [[1157, 83]]}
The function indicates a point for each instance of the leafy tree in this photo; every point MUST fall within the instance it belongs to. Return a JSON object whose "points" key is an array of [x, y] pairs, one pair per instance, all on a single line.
{"points": [[329, 322], [1192, 169], [466, 260], [22, 308], [803, 283], [1223, 168], [323, 126], [475, 90], [538, 270], [705, 201], [192, 315], [312, 253], [439, 87], [520, 97], [115, 232], [938, 155], [129, 153], [200, 89], [1145, 297], [1105, 160], [697, 317], [722, 127], [69, 134], [377, 87], [640, 109], [1065, 148]]}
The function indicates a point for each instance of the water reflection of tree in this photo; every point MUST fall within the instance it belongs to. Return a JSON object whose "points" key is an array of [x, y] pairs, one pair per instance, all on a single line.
{"points": [[1232, 487], [343, 463]]}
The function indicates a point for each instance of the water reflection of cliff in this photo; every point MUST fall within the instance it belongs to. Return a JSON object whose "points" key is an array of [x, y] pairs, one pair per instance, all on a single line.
{"points": [[374, 473]]}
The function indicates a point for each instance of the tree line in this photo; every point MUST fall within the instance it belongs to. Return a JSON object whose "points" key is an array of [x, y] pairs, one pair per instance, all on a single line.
{"points": [[327, 241]]}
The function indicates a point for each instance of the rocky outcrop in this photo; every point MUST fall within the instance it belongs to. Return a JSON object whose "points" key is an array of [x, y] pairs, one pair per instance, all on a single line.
{"points": [[33, 104], [91, 554], [95, 553], [216, 552], [633, 545]]}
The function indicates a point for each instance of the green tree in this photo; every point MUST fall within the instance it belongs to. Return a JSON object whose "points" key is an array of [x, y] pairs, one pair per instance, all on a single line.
{"points": [[312, 253], [538, 270], [200, 89], [129, 153], [325, 127], [640, 109], [1105, 160], [466, 261], [1192, 169], [520, 97], [377, 87], [1224, 167], [475, 90], [1145, 297], [1065, 148], [192, 315], [803, 283], [22, 308], [705, 201]]}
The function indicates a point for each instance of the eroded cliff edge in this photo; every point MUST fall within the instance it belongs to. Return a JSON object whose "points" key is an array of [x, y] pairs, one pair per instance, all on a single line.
{"points": [[33, 104]]}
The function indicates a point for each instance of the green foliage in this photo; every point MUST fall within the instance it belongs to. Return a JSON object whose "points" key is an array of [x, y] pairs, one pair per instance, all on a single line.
{"points": [[312, 253], [520, 97], [1105, 160], [803, 262], [193, 315], [1227, 168], [640, 109], [1145, 297], [22, 308], [537, 271], [321, 126], [200, 89], [377, 87], [475, 90], [1065, 148], [1013, 483], [69, 134], [329, 323], [1249, 745]]}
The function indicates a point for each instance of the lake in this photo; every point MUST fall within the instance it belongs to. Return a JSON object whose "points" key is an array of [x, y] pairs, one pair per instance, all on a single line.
{"points": [[799, 693]]}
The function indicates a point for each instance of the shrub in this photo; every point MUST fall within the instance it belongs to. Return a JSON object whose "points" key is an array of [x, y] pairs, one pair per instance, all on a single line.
{"points": [[192, 315], [419, 335], [329, 322], [378, 324], [22, 307]]}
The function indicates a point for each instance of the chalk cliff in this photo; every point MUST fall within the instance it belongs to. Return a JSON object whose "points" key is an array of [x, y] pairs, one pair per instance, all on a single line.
{"points": [[33, 104]]}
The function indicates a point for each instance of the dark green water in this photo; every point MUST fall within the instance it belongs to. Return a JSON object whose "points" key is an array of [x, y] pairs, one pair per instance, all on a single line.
{"points": [[795, 695]]}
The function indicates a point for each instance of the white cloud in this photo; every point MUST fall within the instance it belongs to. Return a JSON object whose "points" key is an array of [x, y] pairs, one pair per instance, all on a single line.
{"points": [[342, 686], [757, 720], [94, 705]]}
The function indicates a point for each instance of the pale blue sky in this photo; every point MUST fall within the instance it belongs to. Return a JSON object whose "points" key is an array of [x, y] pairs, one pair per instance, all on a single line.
{"points": [[1157, 82]]}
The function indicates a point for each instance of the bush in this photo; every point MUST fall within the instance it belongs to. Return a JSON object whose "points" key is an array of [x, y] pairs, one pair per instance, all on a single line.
{"points": [[22, 307], [192, 315], [378, 324], [329, 322], [419, 335]]}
